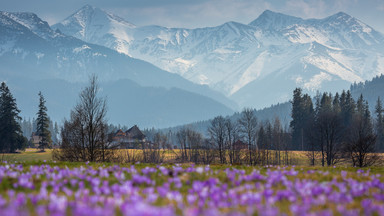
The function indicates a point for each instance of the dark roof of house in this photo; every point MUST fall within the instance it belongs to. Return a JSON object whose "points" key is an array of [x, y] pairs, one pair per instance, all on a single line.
{"points": [[240, 145], [239, 142], [135, 133], [119, 132]]}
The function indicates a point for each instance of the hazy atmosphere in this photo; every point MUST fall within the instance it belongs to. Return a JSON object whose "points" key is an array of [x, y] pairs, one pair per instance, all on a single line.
{"points": [[191, 108], [221, 56]]}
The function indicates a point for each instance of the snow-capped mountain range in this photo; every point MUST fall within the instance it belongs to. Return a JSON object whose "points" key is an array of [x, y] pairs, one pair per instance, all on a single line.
{"points": [[255, 64], [36, 58], [158, 76]]}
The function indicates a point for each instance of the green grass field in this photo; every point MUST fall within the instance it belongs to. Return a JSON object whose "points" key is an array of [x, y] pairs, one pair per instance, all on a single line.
{"points": [[298, 158], [29, 155]]}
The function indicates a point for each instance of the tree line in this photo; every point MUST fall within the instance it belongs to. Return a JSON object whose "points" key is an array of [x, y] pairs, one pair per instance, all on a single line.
{"points": [[336, 128], [11, 131], [328, 128], [84, 137]]}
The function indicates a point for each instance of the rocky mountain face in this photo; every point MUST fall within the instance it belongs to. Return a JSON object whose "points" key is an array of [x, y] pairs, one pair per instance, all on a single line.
{"points": [[34, 57], [255, 64]]}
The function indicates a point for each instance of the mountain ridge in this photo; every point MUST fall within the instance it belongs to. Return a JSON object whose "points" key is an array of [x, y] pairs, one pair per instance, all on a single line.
{"points": [[338, 49], [83, 19], [265, 19], [30, 54]]}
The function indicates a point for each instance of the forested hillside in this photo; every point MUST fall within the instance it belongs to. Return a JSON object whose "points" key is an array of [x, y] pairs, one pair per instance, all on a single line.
{"points": [[371, 90]]}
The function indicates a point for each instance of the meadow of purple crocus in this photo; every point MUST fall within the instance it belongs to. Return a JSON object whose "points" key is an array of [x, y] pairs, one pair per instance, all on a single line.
{"points": [[97, 189]]}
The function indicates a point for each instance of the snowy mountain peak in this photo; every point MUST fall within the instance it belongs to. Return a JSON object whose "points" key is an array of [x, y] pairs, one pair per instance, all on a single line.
{"points": [[93, 24], [355, 32], [340, 16], [347, 20], [234, 27], [343, 20], [273, 20], [30, 21], [87, 7], [88, 13]]}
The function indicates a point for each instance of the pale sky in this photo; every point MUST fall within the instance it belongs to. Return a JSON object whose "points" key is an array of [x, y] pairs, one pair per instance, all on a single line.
{"points": [[202, 13]]}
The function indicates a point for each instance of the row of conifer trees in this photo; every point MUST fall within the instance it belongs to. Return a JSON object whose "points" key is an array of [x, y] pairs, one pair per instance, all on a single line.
{"points": [[337, 127], [11, 136]]}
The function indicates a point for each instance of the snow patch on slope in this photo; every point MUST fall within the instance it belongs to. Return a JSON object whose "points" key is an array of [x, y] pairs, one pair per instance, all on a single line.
{"points": [[251, 73], [306, 34], [380, 65], [179, 64], [80, 49], [333, 67], [226, 51], [316, 81]]}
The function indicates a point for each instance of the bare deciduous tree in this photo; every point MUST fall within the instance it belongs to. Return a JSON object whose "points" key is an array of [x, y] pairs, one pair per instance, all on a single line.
{"points": [[195, 140], [155, 152], [248, 128], [182, 138], [232, 136], [360, 142], [84, 135], [217, 132]]}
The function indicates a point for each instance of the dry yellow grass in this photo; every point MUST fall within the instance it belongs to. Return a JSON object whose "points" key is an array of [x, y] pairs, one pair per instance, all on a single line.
{"points": [[299, 158], [29, 154]]}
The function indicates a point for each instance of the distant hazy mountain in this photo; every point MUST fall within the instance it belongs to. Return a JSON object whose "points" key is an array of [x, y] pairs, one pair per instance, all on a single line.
{"points": [[128, 102], [257, 64], [33, 57], [282, 111]]}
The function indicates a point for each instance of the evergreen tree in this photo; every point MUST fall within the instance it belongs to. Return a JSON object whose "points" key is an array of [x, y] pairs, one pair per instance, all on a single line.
{"points": [[360, 105], [297, 118], [379, 124], [55, 133], [42, 122], [302, 113], [34, 126], [336, 104], [328, 128], [11, 137], [347, 108], [367, 118], [360, 142]]}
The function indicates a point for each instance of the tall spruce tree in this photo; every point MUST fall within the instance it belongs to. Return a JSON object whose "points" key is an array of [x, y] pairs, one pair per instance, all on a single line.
{"points": [[347, 106], [379, 124], [302, 113], [42, 122], [11, 137], [297, 118]]}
